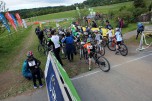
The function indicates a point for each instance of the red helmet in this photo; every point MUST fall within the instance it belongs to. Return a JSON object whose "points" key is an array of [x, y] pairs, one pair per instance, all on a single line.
{"points": [[29, 53]]}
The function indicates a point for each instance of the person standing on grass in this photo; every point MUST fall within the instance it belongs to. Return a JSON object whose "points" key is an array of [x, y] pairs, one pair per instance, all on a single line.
{"points": [[69, 41], [41, 36], [56, 45], [33, 65], [120, 24], [37, 30]]}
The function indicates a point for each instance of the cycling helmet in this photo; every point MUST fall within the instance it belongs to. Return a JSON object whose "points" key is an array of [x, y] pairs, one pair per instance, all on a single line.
{"points": [[85, 33], [117, 29], [96, 31], [100, 27], [29, 54], [88, 40]]}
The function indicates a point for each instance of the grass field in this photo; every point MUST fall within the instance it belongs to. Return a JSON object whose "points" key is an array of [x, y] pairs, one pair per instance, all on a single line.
{"points": [[73, 13]]}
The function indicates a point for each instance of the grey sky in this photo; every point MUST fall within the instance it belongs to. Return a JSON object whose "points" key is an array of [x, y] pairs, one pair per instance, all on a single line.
{"points": [[26, 4]]}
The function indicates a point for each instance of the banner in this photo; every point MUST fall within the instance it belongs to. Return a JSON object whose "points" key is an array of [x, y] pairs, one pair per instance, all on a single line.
{"points": [[19, 19], [4, 21], [59, 85], [14, 19], [10, 19], [24, 23]]}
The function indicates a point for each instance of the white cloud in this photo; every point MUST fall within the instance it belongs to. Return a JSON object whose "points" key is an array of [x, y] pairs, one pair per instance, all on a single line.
{"points": [[26, 4]]}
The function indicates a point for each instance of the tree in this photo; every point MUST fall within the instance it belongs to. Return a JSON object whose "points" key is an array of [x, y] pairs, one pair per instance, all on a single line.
{"points": [[139, 4], [2, 9]]}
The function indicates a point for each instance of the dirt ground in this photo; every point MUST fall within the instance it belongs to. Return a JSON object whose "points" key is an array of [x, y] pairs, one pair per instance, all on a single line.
{"points": [[12, 79]]}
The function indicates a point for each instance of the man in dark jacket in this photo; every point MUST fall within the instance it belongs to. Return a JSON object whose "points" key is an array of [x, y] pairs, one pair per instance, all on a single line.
{"points": [[37, 30]]}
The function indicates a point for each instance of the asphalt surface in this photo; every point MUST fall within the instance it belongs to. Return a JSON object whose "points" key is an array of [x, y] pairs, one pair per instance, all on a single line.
{"points": [[130, 79]]}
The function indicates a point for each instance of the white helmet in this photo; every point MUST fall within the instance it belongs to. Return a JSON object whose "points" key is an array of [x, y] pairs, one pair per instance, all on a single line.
{"points": [[117, 29], [85, 33]]}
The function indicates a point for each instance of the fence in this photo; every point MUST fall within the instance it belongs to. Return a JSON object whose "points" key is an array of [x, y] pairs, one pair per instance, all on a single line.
{"points": [[58, 84]]}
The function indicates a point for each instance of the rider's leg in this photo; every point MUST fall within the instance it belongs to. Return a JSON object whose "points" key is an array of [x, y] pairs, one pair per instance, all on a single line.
{"points": [[89, 63]]}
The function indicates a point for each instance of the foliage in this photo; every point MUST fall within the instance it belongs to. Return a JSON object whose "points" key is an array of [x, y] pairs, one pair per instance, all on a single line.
{"points": [[150, 7], [139, 3]]}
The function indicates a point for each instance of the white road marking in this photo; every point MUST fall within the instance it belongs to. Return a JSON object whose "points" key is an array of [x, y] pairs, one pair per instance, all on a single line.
{"points": [[92, 73]]}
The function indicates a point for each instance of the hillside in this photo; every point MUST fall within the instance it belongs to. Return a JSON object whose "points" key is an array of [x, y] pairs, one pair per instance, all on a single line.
{"points": [[48, 10]]}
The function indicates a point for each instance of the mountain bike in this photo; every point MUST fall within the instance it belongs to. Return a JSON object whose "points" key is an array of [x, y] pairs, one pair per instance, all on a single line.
{"points": [[122, 48], [101, 61], [99, 48]]}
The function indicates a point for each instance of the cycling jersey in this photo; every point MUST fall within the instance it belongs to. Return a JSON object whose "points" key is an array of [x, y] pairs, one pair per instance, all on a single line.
{"points": [[118, 36]]}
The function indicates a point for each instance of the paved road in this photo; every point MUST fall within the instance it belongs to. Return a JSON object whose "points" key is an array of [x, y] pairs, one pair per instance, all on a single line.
{"points": [[39, 95], [130, 79]]}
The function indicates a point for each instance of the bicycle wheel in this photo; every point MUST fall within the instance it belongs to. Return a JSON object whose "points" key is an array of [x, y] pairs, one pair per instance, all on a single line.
{"points": [[101, 51], [40, 48], [123, 50], [111, 46], [103, 64], [104, 42]]}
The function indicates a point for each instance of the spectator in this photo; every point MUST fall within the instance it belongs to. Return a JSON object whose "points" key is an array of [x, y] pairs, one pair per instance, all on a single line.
{"points": [[108, 25], [69, 41], [37, 30], [120, 24], [94, 24], [33, 64], [56, 43], [140, 29], [25, 71], [41, 36]]}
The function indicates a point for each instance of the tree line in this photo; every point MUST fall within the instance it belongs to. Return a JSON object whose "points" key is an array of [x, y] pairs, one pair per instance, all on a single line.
{"points": [[27, 13]]}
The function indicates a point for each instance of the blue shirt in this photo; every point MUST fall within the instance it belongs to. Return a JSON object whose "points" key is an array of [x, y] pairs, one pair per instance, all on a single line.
{"points": [[68, 40]]}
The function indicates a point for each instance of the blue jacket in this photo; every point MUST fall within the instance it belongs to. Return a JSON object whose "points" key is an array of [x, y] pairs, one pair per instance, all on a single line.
{"points": [[140, 27], [68, 40], [25, 71]]}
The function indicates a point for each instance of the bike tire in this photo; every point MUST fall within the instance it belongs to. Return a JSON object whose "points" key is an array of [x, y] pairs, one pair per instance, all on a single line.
{"points": [[102, 51], [111, 46], [40, 48], [103, 64], [123, 50]]}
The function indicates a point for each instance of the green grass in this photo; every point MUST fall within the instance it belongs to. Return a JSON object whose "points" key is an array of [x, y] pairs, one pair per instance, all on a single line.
{"points": [[9, 46], [9, 50], [73, 13]]}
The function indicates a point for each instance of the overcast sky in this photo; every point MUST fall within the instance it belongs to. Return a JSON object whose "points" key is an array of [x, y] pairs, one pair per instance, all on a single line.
{"points": [[26, 4]]}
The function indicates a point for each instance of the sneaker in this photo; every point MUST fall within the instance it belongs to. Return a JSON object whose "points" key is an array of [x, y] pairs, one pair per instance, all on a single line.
{"points": [[40, 86], [89, 69], [117, 52], [35, 87]]}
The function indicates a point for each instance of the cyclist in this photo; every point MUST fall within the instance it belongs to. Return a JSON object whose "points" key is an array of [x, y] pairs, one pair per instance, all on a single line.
{"points": [[118, 37], [100, 30], [33, 64], [90, 49], [98, 37], [109, 33]]}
